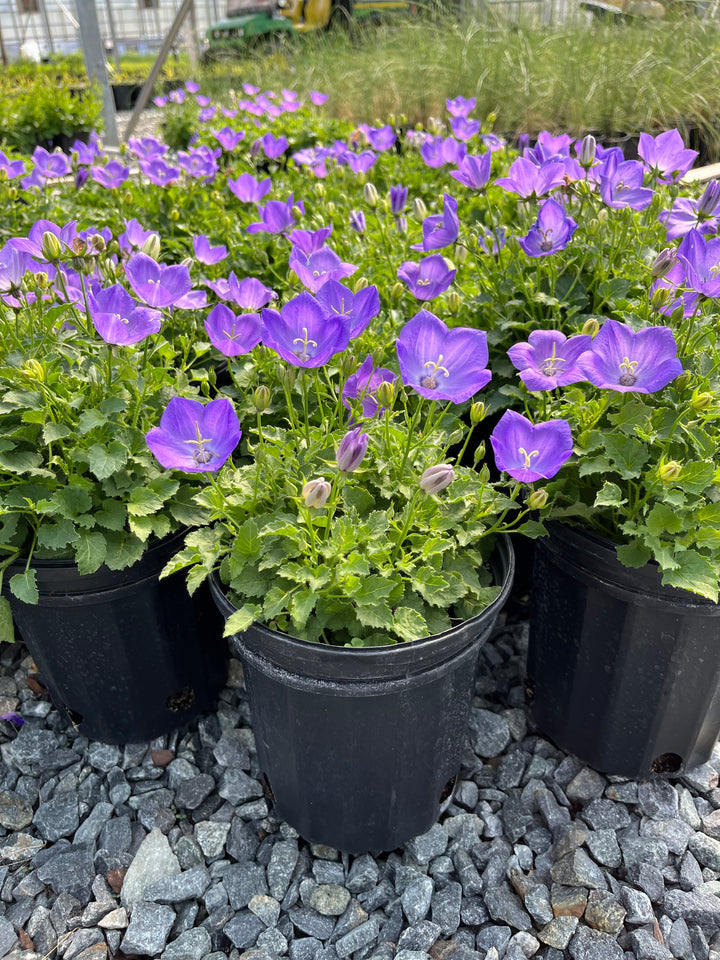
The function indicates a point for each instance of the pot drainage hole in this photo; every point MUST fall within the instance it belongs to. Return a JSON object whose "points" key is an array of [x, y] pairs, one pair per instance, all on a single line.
{"points": [[181, 700], [667, 763]]}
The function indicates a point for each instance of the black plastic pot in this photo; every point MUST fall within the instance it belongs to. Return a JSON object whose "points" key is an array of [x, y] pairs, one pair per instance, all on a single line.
{"points": [[126, 656], [622, 671], [360, 747]]}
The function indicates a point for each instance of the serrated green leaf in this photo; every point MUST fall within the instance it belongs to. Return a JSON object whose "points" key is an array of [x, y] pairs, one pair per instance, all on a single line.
{"points": [[142, 527], [628, 455], [409, 624], [590, 465], [662, 518], [112, 515], [375, 615], [634, 554], [301, 606], [24, 586], [7, 630], [694, 573], [20, 461], [72, 501], [239, 621], [371, 590], [164, 487], [143, 502], [89, 420], [359, 498], [90, 552], [55, 431], [122, 550], [276, 602], [113, 405], [56, 536], [696, 477], [610, 495], [104, 460]]}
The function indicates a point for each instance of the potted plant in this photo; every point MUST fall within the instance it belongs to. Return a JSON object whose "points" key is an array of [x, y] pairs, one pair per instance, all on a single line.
{"points": [[88, 517], [624, 666], [359, 569]]}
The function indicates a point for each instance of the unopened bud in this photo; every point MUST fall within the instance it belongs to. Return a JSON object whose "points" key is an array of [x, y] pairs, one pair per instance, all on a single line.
{"points": [[296, 212], [707, 204], [663, 263], [288, 376], [398, 289], [477, 457], [51, 247], [319, 189], [419, 209], [590, 327], [477, 412], [360, 284], [128, 197], [255, 149], [682, 381], [537, 499], [701, 401], [3, 175], [348, 365], [315, 493], [12, 193], [330, 207], [453, 301], [460, 253], [371, 195], [435, 479], [261, 398], [32, 369], [386, 394], [42, 279], [587, 151], [660, 299], [353, 447], [174, 215], [97, 243], [669, 471], [151, 246]]}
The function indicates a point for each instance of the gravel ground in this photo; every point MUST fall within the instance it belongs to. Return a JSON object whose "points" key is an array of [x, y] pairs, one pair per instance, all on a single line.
{"points": [[168, 849]]}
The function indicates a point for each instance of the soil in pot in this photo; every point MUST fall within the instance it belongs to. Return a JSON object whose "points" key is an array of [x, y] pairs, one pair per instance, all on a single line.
{"points": [[360, 748]]}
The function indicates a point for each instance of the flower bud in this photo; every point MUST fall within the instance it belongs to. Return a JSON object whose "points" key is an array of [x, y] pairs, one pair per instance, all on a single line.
{"points": [[587, 151], [669, 471], [255, 149], [174, 215], [701, 401], [151, 246], [660, 299], [435, 479], [315, 493], [460, 253], [663, 262], [357, 221], [319, 189], [42, 279], [419, 209], [78, 247], [3, 175], [454, 302], [348, 365], [97, 244], [707, 204], [537, 499], [352, 449], [360, 284], [682, 381], [385, 394], [477, 457], [477, 412], [288, 376], [330, 207], [12, 193], [32, 369], [590, 327], [371, 195], [296, 212], [128, 197], [216, 196], [398, 289], [261, 398], [51, 246]]}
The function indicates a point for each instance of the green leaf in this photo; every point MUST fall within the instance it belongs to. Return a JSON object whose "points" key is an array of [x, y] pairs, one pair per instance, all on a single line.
{"points": [[634, 554], [112, 515], [24, 586], [247, 544], [105, 460], [143, 502], [112, 405], [372, 589], [375, 615], [593, 465], [239, 621], [56, 536], [20, 461], [123, 550], [301, 606], [88, 420], [7, 631], [90, 551], [532, 529], [663, 518], [628, 455], [359, 498], [72, 501], [276, 602], [696, 477], [142, 527], [409, 624], [55, 431], [694, 573], [610, 495]]}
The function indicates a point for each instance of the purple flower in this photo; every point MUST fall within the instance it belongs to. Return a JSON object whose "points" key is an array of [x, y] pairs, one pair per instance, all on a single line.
{"points": [[276, 216], [304, 333], [248, 293], [357, 309], [360, 162], [629, 362], [195, 438], [134, 236], [440, 230], [549, 146], [357, 221], [464, 129], [460, 107], [13, 718], [687, 214], [701, 259], [111, 176], [34, 242], [621, 184], [247, 189], [530, 181], [666, 155], [551, 231], [493, 241], [274, 147], [12, 267], [362, 385], [119, 319], [147, 148], [442, 364], [314, 158], [436, 478], [207, 254], [191, 86], [675, 281], [436, 152], [51, 165], [473, 172], [398, 199], [156, 284], [319, 267], [382, 138], [309, 241], [233, 335], [199, 162], [352, 450], [159, 172], [549, 359], [530, 452], [318, 98], [11, 168], [427, 279]]}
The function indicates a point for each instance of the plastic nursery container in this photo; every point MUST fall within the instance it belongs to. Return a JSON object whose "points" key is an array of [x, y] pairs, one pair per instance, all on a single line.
{"points": [[360, 747], [622, 671], [126, 656]]}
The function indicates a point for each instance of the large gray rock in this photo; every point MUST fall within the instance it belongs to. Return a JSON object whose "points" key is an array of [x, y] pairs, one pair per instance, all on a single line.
{"points": [[189, 885], [153, 861], [8, 937], [58, 817], [149, 928]]}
